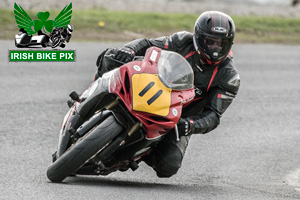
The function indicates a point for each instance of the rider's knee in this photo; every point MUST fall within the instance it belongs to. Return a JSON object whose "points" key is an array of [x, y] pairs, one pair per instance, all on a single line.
{"points": [[168, 164], [165, 170]]}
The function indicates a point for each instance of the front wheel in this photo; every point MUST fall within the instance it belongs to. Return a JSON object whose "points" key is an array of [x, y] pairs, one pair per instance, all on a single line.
{"points": [[83, 150], [55, 42]]}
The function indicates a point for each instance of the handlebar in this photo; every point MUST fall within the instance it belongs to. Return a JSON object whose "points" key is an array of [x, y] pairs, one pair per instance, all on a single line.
{"points": [[112, 57]]}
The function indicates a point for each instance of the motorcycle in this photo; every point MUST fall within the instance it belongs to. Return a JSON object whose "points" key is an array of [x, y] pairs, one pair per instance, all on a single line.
{"points": [[59, 36], [121, 117], [22, 39]]}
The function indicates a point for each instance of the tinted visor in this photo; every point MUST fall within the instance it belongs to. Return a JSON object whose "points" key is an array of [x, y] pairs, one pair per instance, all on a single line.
{"points": [[215, 49]]}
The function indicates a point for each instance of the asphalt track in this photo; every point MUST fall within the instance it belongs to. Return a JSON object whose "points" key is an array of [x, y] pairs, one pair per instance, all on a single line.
{"points": [[253, 154]]}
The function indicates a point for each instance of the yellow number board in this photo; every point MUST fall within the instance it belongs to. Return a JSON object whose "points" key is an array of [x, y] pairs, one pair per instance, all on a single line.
{"points": [[150, 95]]}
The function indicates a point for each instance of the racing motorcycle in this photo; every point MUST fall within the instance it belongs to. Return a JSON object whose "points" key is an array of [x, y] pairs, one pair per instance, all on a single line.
{"points": [[22, 39], [121, 117], [59, 36]]}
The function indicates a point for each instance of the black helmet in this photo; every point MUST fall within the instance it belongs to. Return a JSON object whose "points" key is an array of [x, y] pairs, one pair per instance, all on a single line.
{"points": [[213, 36]]}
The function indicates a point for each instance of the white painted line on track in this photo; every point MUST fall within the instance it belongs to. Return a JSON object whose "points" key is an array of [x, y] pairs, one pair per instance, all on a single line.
{"points": [[293, 179]]}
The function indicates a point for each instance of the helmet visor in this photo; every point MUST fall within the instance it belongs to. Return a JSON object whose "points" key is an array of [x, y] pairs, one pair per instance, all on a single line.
{"points": [[215, 49]]}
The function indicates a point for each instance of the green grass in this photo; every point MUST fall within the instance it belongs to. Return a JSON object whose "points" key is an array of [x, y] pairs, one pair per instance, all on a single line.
{"points": [[123, 26], [268, 29], [139, 22]]}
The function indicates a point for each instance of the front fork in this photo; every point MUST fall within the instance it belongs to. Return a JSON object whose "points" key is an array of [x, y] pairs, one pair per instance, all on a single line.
{"points": [[75, 127]]}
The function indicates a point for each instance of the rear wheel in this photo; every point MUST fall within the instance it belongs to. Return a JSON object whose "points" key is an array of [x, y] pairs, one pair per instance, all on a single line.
{"points": [[83, 150]]}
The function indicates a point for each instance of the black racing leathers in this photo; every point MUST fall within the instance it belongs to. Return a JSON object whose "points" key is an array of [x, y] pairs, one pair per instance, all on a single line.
{"points": [[215, 86]]}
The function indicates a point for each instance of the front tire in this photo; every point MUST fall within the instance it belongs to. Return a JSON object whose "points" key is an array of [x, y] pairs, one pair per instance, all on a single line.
{"points": [[55, 42], [82, 151]]}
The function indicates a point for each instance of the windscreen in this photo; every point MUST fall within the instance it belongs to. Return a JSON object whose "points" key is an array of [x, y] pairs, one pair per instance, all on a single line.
{"points": [[174, 71]]}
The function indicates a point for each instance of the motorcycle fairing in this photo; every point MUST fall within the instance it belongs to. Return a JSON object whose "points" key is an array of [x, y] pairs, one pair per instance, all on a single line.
{"points": [[150, 95], [135, 76]]}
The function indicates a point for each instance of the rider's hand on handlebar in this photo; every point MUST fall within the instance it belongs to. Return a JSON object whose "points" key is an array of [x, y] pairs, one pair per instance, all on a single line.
{"points": [[185, 127], [125, 55]]}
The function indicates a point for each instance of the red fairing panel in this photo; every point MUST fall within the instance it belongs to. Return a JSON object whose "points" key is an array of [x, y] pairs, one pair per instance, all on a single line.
{"points": [[141, 76]]}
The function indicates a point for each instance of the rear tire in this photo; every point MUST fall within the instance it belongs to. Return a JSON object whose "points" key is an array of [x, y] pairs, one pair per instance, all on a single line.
{"points": [[82, 151]]}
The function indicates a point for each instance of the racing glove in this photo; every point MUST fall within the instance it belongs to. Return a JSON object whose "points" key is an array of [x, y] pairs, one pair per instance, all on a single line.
{"points": [[125, 55], [185, 127]]}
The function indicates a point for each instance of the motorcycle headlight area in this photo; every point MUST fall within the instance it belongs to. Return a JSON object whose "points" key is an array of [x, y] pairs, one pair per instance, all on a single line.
{"points": [[90, 90], [102, 84]]}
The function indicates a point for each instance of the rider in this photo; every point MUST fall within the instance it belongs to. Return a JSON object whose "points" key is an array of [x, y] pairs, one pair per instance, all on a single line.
{"points": [[64, 32], [208, 50]]}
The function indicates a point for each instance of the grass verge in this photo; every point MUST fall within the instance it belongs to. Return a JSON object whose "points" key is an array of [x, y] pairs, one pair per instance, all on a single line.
{"points": [[103, 25]]}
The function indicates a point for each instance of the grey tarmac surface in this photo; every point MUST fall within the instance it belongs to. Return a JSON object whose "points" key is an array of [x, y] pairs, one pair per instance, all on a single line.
{"points": [[253, 154]]}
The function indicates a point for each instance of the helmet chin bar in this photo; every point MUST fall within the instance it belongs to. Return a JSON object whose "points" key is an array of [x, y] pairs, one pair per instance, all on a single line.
{"points": [[215, 54], [201, 54]]}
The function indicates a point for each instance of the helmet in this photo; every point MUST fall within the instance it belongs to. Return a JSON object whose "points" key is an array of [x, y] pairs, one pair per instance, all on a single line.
{"points": [[70, 28], [213, 36]]}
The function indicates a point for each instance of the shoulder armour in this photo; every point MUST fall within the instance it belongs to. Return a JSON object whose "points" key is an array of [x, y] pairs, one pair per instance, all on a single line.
{"points": [[231, 79], [179, 39], [161, 42], [173, 42]]}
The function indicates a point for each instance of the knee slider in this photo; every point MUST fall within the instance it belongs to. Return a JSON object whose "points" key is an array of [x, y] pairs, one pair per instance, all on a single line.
{"points": [[164, 170], [166, 167]]}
